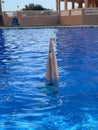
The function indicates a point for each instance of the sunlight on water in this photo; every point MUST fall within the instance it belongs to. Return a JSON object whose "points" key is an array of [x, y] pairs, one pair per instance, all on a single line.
{"points": [[26, 102]]}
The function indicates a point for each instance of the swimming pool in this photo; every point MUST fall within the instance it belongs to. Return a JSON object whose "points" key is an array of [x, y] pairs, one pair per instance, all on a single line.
{"points": [[26, 103]]}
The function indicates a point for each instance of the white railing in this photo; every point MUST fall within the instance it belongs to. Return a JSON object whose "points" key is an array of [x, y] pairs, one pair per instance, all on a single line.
{"points": [[73, 12], [65, 13], [76, 12], [79, 12], [32, 13], [9, 13], [38, 13], [91, 11]]}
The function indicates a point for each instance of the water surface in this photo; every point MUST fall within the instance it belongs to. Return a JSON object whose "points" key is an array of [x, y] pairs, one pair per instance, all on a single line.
{"points": [[26, 102]]}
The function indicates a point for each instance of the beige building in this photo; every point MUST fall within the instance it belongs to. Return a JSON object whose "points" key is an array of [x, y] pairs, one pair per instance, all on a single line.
{"points": [[85, 13]]}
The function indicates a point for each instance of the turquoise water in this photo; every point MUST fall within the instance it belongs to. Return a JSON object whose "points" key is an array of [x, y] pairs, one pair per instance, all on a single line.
{"points": [[26, 103]]}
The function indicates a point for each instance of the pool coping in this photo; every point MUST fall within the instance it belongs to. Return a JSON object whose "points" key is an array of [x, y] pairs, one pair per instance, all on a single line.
{"points": [[46, 26]]}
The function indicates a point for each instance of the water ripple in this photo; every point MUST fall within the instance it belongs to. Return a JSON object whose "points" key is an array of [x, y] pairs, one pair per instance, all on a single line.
{"points": [[26, 102]]}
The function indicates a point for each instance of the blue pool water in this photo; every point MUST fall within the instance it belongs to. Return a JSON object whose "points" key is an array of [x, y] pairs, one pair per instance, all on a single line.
{"points": [[26, 103]]}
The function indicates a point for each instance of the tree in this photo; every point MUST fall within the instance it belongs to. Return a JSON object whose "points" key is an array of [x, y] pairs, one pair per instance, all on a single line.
{"points": [[1, 17], [34, 7]]}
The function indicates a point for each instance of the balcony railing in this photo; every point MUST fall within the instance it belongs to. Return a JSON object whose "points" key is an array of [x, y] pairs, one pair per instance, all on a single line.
{"points": [[80, 11], [91, 11]]}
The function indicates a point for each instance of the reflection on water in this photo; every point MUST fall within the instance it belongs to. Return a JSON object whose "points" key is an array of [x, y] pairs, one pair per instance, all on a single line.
{"points": [[26, 102]]}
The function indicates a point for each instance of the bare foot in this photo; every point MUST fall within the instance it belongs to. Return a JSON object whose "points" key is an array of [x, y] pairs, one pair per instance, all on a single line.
{"points": [[51, 47]]}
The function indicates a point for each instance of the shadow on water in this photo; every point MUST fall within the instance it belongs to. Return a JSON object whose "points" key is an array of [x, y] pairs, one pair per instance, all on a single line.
{"points": [[78, 59]]}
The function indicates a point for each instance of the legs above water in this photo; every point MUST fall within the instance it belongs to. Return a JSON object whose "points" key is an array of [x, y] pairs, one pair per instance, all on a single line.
{"points": [[52, 68]]}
